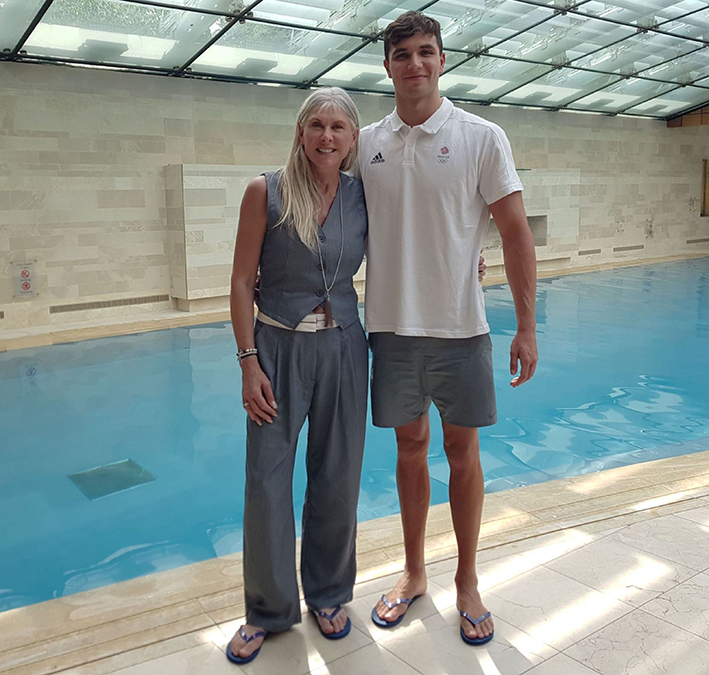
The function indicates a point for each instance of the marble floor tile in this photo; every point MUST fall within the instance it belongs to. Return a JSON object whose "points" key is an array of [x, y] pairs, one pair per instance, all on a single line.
{"points": [[621, 571], [130, 658], [685, 606], [492, 573], [641, 644], [547, 546], [371, 660], [698, 515], [300, 649], [433, 601], [670, 537], [203, 660], [553, 608], [39, 658], [559, 665], [433, 646]]}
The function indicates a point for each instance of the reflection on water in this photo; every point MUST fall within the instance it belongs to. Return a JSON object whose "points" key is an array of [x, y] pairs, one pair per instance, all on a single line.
{"points": [[622, 379]]}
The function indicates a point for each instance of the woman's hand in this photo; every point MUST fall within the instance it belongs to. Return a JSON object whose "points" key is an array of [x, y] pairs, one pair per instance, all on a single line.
{"points": [[481, 268], [256, 392]]}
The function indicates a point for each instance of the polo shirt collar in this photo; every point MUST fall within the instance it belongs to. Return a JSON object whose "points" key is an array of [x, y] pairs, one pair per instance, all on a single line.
{"points": [[433, 124]]}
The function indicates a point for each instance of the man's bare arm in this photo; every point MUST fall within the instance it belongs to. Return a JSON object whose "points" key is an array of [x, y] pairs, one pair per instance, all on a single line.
{"points": [[521, 270]]}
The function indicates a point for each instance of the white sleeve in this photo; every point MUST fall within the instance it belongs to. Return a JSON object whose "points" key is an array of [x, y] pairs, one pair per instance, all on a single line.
{"points": [[497, 174]]}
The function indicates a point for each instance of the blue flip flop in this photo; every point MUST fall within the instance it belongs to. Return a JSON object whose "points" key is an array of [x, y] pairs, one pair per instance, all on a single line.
{"points": [[241, 660], [475, 641], [383, 623], [332, 636]]}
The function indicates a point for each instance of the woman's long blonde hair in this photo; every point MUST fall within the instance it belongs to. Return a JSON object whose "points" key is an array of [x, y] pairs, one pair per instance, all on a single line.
{"points": [[299, 189]]}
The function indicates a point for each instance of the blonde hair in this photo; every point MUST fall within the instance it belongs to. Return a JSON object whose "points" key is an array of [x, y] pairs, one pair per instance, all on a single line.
{"points": [[299, 189]]}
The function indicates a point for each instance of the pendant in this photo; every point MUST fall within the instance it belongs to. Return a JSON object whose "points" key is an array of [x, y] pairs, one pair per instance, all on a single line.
{"points": [[328, 313]]}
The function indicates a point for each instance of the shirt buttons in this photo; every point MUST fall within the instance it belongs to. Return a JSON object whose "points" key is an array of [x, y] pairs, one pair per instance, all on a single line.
{"points": [[319, 266], [318, 293], [410, 145], [322, 237]]}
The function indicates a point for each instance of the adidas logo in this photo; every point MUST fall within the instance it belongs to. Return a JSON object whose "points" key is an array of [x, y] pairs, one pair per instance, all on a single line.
{"points": [[378, 159]]}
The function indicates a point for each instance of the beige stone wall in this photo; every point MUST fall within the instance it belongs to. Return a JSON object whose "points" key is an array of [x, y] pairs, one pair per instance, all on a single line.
{"points": [[92, 186]]}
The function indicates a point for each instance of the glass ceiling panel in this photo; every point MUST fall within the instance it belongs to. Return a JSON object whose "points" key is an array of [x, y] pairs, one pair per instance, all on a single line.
{"points": [[474, 24], [15, 18], [559, 40], [640, 12], [565, 38], [674, 10], [259, 50], [618, 97], [695, 26], [558, 88], [363, 70], [486, 78], [290, 42], [672, 102], [683, 70], [349, 16], [636, 54], [113, 31]]}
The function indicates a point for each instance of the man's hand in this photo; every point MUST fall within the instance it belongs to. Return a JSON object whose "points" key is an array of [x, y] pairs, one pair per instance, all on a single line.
{"points": [[481, 269], [524, 350]]}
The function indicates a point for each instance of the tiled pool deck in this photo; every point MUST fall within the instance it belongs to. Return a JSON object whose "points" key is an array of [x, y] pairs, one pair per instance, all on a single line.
{"points": [[604, 573]]}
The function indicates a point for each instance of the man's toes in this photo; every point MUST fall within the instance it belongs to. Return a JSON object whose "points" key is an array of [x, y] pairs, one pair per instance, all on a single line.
{"points": [[484, 629]]}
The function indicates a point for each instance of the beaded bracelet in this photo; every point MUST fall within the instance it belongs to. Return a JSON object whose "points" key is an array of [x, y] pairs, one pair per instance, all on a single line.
{"points": [[243, 353]]}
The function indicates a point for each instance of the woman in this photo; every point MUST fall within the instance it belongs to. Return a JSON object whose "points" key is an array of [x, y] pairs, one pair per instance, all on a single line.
{"points": [[306, 357]]}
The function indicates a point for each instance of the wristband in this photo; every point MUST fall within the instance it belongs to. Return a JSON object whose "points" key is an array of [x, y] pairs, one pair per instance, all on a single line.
{"points": [[244, 353]]}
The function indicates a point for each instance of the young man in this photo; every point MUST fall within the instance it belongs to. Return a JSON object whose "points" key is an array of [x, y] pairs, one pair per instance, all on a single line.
{"points": [[433, 174]]}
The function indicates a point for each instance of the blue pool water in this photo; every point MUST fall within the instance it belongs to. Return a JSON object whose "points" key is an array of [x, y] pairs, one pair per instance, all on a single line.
{"points": [[622, 379]]}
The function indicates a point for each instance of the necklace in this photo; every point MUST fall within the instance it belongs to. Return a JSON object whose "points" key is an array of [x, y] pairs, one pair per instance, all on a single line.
{"points": [[328, 306]]}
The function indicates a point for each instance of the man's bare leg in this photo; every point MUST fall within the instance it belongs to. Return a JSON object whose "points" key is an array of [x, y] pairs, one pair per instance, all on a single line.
{"points": [[414, 486], [466, 491]]}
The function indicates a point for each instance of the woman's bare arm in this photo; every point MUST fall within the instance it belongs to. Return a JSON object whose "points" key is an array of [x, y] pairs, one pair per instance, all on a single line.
{"points": [[256, 389]]}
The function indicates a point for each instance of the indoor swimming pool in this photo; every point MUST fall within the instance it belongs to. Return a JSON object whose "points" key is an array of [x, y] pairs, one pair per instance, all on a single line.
{"points": [[124, 456]]}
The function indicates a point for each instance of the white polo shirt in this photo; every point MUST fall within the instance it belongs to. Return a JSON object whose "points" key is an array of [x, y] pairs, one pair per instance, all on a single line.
{"points": [[427, 190]]}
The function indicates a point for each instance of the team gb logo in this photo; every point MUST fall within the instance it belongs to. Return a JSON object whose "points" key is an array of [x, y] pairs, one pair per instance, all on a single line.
{"points": [[444, 155]]}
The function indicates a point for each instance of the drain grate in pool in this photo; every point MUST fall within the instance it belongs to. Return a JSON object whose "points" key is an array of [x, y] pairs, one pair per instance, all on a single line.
{"points": [[112, 478]]}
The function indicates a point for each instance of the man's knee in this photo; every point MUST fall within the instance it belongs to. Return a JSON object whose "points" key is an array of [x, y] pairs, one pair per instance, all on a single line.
{"points": [[412, 439], [461, 446]]}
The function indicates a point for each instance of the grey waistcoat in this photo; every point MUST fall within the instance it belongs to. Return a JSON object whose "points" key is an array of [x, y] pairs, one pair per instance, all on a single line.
{"points": [[291, 280]]}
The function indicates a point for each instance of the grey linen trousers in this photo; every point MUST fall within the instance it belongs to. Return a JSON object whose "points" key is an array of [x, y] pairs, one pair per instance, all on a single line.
{"points": [[320, 376]]}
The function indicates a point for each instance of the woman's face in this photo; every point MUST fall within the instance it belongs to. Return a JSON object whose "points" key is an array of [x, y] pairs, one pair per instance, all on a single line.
{"points": [[327, 137]]}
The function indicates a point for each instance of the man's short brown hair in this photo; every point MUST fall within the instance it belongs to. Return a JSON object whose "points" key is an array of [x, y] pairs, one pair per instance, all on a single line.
{"points": [[407, 25]]}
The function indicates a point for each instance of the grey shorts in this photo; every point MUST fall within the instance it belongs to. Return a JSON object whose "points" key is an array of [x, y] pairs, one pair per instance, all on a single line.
{"points": [[410, 372]]}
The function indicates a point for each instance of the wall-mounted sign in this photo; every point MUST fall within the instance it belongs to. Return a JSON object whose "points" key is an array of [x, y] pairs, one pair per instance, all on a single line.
{"points": [[24, 278]]}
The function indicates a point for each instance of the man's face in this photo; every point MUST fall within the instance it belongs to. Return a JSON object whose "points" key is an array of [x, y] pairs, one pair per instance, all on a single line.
{"points": [[414, 65]]}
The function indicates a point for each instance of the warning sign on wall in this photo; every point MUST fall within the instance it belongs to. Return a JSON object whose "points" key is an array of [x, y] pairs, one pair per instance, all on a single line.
{"points": [[24, 279]]}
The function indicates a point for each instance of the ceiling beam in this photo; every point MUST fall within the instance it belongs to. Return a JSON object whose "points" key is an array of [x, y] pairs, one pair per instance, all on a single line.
{"points": [[30, 29]]}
